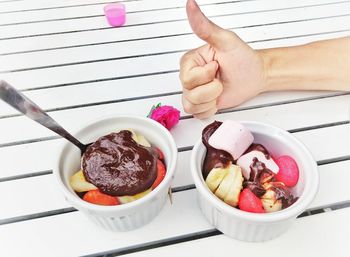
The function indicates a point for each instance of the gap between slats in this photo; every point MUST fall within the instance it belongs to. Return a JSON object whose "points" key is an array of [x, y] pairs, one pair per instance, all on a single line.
{"points": [[62, 7], [162, 72], [308, 212], [238, 109], [173, 20], [183, 238], [175, 189], [48, 110], [182, 184], [181, 50], [128, 12]]}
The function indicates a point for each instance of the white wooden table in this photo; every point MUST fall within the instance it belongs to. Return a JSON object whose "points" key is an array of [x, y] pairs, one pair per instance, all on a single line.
{"points": [[64, 56]]}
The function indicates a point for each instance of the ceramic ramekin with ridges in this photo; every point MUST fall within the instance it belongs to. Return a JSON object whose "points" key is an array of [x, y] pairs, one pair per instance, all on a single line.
{"points": [[255, 227], [126, 216]]}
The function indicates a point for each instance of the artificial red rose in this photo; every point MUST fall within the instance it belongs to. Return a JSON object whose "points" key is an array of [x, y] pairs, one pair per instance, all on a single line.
{"points": [[166, 115]]}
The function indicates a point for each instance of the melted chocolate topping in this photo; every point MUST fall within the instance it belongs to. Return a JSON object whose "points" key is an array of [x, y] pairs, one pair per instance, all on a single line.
{"points": [[256, 188], [260, 148], [283, 193], [214, 158], [260, 175], [118, 165]]}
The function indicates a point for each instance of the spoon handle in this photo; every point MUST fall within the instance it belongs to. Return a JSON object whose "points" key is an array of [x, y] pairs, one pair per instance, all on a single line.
{"points": [[23, 104]]}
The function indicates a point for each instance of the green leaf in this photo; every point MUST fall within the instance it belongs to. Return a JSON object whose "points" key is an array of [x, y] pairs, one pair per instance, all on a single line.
{"points": [[153, 108]]}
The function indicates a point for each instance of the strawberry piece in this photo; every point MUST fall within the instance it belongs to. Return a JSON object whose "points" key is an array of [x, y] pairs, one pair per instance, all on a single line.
{"points": [[289, 171], [96, 197], [249, 202], [160, 154], [160, 174]]}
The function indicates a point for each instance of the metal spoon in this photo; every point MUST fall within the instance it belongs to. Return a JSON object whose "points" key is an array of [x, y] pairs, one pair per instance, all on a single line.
{"points": [[23, 104]]}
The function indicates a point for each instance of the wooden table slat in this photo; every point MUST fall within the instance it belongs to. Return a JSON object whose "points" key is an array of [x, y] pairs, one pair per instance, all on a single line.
{"points": [[64, 56], [332, 189], [39, 156], [79, 236], [149, 31], [62, 26], [323, 234], [135, 48], [334, 109]]}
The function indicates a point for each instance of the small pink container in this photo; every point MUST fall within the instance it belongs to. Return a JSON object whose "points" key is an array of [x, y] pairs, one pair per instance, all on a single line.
{"points": [[115, 14]]}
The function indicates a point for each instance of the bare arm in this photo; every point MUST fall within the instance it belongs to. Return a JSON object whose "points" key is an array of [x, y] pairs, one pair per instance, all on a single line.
{"points": [[226, 72], [321, 65]]}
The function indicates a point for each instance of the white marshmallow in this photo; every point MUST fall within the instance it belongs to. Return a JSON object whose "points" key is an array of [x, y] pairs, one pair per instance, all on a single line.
{"points": [[231, 137], [246, 160]]}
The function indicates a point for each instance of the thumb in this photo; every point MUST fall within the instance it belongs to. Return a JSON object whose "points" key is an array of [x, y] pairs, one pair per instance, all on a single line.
{"points": [[205, 29]]}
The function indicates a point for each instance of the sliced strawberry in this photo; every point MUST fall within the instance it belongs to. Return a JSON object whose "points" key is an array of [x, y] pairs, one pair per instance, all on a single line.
{"points": [[96, 197], [160, 154], [160, 174], [288, 172], [249, 202]]}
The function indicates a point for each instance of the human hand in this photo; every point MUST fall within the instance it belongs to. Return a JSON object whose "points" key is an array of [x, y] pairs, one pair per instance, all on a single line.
{"points": [[221, 74]]}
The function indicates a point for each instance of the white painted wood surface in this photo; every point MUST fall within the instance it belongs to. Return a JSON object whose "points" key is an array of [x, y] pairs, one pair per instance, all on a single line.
{"points": [[63, 55], [317, 235]]}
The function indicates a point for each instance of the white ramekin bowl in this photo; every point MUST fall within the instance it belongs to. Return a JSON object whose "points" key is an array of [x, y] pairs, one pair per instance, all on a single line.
{"points": [[127, 216], [255, 227]]}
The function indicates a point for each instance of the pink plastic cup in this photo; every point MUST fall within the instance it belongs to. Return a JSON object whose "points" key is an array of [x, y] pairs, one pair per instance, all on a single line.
{"points": [[115, 14]]}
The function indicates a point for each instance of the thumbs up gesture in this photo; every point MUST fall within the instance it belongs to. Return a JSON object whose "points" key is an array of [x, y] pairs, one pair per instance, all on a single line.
{"points": [[223, 73]]}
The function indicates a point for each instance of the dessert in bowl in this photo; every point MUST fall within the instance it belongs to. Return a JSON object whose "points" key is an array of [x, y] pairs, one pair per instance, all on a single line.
{"points": [[116, 182], [252, 179]]}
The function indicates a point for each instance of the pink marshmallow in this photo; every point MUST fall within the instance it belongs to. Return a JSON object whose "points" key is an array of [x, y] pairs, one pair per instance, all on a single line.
{"points": [[231, 137], [115, 14], [247, 159]]}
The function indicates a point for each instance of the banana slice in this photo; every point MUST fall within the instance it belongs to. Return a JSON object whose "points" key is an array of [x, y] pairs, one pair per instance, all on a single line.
{"points": [[133, 136], [230, 187], [215, 177], [79, 183], [235, 189], [131, 198], [269, 201], [140, 139]]}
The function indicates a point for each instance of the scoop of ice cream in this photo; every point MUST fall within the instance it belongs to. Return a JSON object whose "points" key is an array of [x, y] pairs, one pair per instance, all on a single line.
{"points": [[231, 137], [119, 166], [256, 151]]}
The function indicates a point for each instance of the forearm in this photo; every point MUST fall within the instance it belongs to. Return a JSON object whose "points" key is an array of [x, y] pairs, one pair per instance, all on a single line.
{"points": [[322, 65]]}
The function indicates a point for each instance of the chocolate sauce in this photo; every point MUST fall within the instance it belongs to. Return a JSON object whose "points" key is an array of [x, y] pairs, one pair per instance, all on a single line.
{"points": [[261, 176], [259, 173], [214, 158], [283, 194], [255, 187], [118, 165], [260, 148]]}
